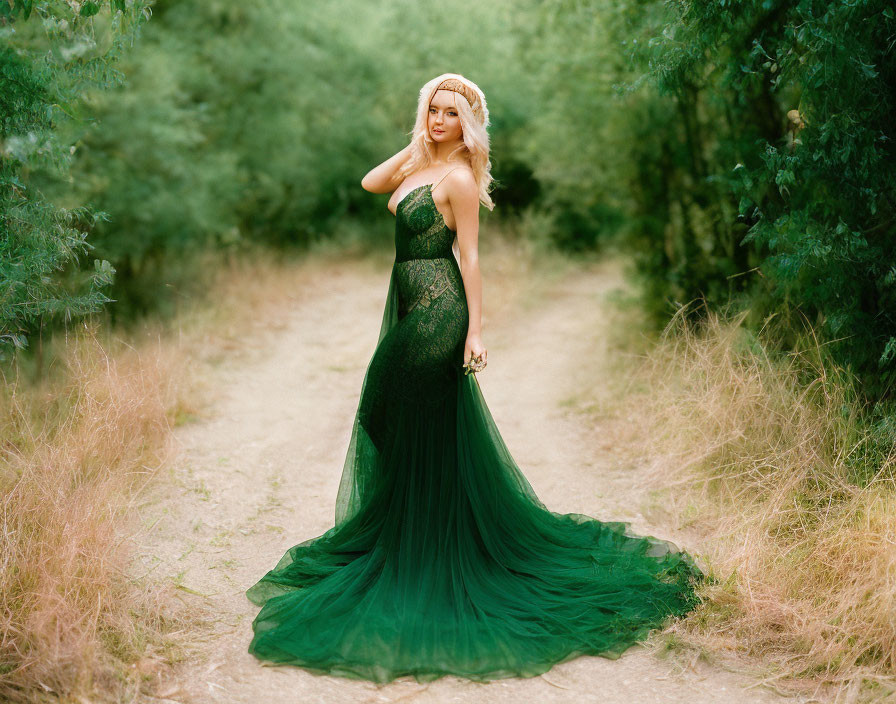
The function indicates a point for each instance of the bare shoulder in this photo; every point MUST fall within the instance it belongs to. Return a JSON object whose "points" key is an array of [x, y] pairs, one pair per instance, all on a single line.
{"points": [[462, 184]]}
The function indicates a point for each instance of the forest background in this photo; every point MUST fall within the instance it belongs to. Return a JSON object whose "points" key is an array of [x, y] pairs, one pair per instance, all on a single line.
{"points": [[738, 154]]}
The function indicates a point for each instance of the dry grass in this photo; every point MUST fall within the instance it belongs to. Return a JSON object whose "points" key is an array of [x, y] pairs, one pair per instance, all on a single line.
{"points": [[763, 457], [79, 622], [75, 454], [82, 620]]}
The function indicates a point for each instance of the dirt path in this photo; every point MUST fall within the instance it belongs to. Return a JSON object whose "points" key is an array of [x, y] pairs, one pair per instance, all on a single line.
{"points": [[261, 473]]}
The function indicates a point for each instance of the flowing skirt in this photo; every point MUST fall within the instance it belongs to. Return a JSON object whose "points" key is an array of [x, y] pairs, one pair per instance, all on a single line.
{"points": [[442, 559]]}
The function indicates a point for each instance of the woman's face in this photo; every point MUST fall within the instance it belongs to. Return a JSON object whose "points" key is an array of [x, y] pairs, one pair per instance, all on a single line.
{"points": [[444, 122]]}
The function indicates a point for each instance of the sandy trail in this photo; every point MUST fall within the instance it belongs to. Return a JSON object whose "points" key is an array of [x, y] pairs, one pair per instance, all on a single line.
{"points": [[260, 474]]}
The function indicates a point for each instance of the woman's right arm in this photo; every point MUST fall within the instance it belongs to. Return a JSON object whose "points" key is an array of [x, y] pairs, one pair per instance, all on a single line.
{"points": [[384, 178]]}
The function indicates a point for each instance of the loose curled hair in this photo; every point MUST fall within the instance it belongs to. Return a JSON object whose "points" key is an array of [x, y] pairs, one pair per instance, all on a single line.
{"points": [[473, 120]]}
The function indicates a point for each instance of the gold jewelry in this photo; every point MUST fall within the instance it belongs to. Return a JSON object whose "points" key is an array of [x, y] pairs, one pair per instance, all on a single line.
{"points": [[471, 96], [476, 364]]}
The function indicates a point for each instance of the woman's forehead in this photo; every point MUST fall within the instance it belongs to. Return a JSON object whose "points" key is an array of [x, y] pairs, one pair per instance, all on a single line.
{"points": [[443, 98]]}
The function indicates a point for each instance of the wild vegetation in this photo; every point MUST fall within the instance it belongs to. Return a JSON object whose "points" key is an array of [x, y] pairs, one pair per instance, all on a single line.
{"points": [[740, 154], [770, 460]]}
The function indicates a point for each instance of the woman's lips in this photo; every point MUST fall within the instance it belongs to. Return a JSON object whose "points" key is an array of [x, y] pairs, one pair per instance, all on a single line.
{"points": [[438, 131]]}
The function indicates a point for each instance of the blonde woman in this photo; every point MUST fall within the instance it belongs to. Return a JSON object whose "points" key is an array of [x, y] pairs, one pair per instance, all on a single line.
{"points": [[442, 559]]}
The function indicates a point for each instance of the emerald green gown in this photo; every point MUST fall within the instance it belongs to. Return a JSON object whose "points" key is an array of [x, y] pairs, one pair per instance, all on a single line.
{"points": [[442, 559]]}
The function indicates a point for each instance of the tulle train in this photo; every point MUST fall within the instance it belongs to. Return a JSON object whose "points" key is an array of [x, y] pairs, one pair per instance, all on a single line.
{"points": [[442, 560]]}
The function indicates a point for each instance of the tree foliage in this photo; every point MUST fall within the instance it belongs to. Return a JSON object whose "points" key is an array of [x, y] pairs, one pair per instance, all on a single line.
{"points": [[247, 123], [785, 187], [51, 53], [740, 151]]}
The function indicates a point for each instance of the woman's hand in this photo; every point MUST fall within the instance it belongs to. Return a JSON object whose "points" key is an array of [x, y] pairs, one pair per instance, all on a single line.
{"points": [[475, 354]]}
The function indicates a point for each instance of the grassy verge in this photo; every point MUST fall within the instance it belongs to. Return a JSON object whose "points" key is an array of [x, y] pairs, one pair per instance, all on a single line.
{"points": [[76, 452], [80, 620], [785, 483], [83, 618]]}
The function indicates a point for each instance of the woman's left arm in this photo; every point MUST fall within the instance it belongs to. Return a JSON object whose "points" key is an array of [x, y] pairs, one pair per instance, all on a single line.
{"points": [[464, 198]]}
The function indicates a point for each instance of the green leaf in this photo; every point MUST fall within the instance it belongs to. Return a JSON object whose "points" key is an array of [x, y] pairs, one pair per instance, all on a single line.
{"points": [[888, 353], [89, 9], [24, 5], [868, 70], [105, 272]]}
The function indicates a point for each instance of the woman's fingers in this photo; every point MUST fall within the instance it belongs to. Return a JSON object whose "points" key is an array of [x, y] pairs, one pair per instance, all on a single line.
{"points": [[476, 362]]}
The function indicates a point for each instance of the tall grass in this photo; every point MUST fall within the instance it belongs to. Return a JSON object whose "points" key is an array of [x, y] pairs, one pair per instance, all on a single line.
{"points": [[75, 453], [787, 483], [81, 619], [78, 619]]}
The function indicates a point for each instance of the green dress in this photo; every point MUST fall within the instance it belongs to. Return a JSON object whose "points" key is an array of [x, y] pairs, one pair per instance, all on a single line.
{"points": [[442, 559]]}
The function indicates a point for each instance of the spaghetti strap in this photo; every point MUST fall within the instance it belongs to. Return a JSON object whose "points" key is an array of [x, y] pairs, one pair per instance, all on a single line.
{"points": [[441, 555], [442, 179]]}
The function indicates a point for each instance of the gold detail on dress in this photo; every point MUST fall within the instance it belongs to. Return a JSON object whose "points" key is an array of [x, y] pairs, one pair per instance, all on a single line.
{"points": [[438, 276], [438, 222]]}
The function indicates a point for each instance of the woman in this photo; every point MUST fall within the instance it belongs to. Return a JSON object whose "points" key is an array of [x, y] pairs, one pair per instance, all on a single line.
{"points": [[442, 560]]}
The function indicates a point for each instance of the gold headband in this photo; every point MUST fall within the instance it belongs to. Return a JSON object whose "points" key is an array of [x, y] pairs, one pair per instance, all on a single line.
{"points": [[465, 90]]}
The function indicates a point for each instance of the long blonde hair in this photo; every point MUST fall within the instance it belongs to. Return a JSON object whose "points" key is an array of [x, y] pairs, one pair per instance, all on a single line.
{"points": [[475, 135]]}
